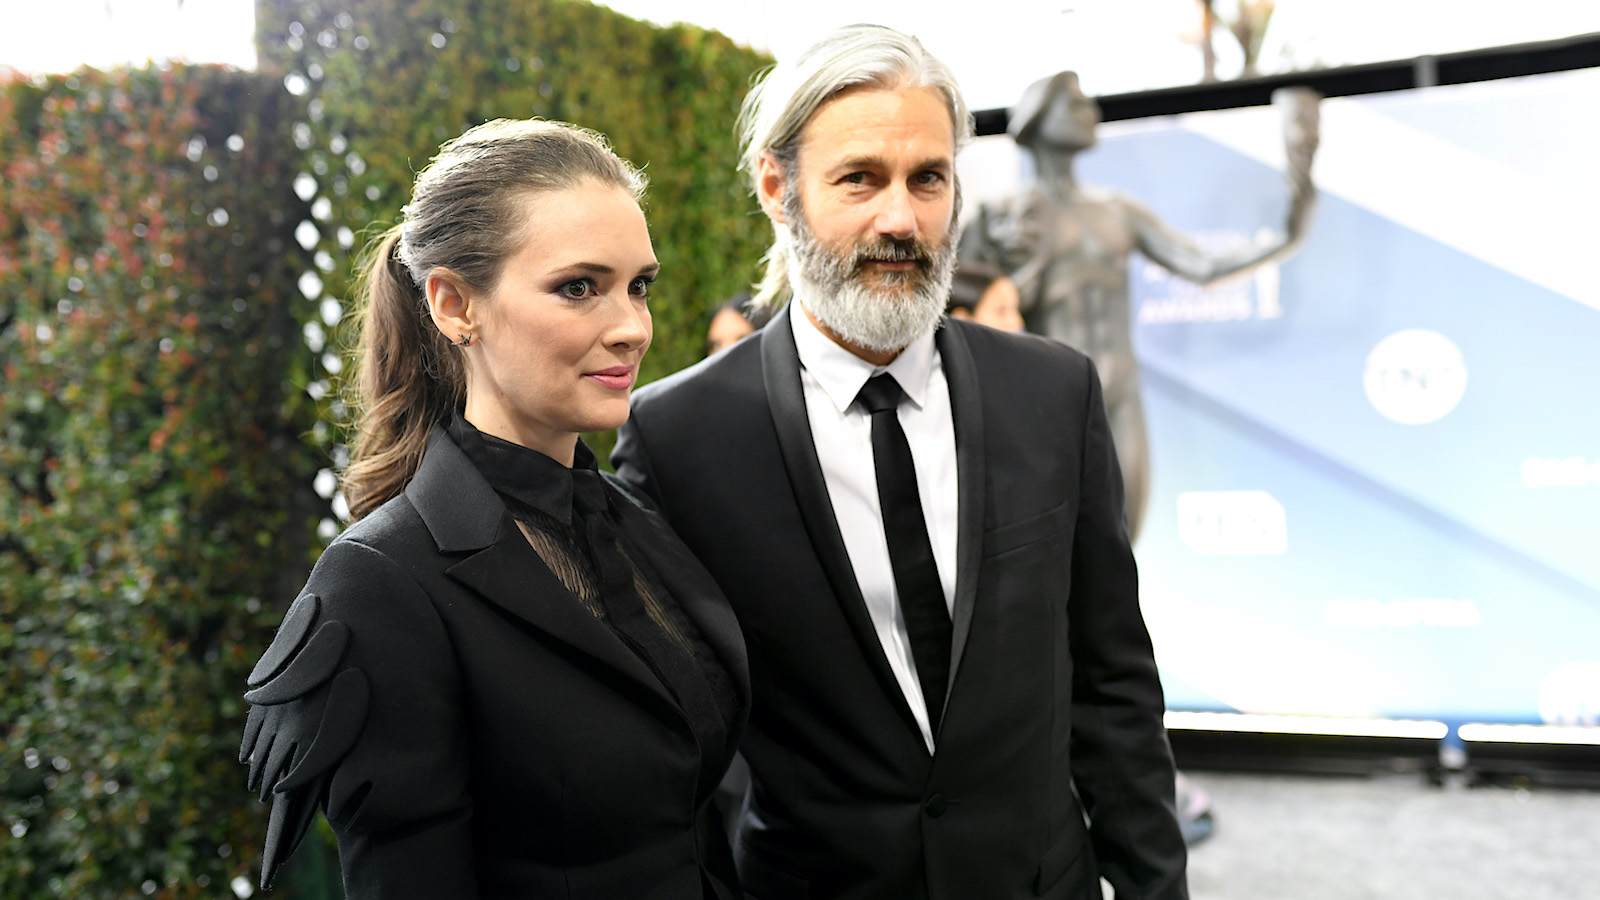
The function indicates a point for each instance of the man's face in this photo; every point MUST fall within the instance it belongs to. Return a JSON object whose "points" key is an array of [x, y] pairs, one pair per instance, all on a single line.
{"points": [[870, 208]]}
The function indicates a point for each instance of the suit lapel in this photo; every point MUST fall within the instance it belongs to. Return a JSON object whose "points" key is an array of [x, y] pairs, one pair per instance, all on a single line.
{"points": [[966, 410], [696, 593], [780, 370], [464, 515]]}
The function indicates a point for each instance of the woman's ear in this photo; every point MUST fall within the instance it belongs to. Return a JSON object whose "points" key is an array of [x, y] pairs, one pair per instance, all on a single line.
{"points": [[451, 305]]}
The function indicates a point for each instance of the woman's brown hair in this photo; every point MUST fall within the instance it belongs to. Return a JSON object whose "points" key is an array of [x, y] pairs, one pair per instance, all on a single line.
{"points": [[466, 216]]}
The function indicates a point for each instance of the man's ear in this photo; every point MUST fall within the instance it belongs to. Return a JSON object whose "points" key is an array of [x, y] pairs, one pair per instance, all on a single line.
{"points": [[770, 181], [450, 304]]}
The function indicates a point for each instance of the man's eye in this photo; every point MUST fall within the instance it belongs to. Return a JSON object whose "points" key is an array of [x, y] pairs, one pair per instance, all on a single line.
{"points": [[930, 177], [856, 178], [577, 290]]}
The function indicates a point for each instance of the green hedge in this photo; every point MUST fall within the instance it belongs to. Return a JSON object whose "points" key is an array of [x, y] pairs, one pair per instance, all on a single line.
{"points": [[386, 81], [175, 247], [155, 507]]}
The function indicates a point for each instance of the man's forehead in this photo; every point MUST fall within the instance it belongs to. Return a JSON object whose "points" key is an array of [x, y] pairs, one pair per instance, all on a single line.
{"points": [[869, 121]]}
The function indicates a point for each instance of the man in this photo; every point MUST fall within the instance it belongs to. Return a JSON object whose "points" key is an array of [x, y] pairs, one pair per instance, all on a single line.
{"points": [[954, 695]]}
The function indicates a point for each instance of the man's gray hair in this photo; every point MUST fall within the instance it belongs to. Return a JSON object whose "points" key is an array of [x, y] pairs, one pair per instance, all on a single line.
{"points": [[780, 104]]}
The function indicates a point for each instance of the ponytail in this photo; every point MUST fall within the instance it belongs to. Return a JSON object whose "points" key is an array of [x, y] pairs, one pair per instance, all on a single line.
{"points": [[409, 379]]}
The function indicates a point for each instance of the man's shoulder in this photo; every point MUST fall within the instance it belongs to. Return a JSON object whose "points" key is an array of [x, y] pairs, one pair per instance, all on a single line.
{"points": [[993, 349], [719, 402], [715, 379]]}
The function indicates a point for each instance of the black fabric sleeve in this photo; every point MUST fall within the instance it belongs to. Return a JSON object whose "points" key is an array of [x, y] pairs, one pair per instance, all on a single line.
{"points": [[1122, 764], [355, 709]]}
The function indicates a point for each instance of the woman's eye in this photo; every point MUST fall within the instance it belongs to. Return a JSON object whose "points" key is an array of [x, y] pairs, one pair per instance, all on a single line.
{"points": [[640, 286], [577, 290]]}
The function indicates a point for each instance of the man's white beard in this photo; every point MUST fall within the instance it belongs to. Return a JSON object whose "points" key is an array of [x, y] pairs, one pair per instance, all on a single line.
{"points": [[836, 287]]}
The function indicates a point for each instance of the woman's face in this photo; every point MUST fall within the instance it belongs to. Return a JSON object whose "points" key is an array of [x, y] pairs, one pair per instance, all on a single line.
{"points": [[556, 345], [998, 307], [727, 327]]}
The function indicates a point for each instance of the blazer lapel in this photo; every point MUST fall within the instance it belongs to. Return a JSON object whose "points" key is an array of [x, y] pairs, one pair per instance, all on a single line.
{"points": [[966, 410], [698, 596], [464, 515], [780, 369]]}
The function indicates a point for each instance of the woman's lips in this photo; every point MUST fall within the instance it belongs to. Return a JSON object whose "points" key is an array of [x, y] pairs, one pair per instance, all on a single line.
{"points": [[618, 378]]}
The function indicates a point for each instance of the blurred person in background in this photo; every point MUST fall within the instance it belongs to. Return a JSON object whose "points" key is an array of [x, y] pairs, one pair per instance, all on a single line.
{"points": [[982, 293], [921, 528], [732, 320], [508, 678]]}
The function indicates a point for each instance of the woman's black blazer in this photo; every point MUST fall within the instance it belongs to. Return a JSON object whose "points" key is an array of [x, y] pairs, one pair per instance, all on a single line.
{"points": [[470, 728]]}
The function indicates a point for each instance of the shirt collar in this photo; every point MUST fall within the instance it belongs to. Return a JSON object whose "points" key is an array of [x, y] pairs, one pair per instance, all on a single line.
{"points": [[525, 475], [841, 373]]}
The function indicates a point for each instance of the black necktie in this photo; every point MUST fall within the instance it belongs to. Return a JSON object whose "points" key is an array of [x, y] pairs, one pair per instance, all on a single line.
{"points": [[916, 577]]}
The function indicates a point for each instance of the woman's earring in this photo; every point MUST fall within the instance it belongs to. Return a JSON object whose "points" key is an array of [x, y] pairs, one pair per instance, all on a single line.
{"points": [[462, 340]]}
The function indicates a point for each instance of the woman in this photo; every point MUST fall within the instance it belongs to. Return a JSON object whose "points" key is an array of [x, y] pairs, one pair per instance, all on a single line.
{"points": [[728, 324], [734, 319], [507, 678], [983, 294]]}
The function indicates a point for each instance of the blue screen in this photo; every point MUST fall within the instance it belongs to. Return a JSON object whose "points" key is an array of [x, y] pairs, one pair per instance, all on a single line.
{"points": [[1375, 467]]}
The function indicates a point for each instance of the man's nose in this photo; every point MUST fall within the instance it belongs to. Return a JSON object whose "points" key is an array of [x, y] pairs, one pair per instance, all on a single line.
{"points": [[897, 214]]}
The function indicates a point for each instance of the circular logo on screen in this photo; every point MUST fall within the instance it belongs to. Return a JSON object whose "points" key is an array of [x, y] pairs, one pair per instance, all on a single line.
{"points": [[1570, 695], [1415, 376]]}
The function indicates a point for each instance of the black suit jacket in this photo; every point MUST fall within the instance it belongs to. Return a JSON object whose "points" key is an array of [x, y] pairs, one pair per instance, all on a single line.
{"points": [[1054, 710], [482, 735]]}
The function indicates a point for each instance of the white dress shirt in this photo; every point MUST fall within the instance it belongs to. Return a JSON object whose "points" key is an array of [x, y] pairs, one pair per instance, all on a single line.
{"points": [[842, 431]]}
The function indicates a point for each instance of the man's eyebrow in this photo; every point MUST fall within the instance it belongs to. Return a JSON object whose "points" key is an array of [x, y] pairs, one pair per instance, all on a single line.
{"points": [[936, 163], [859, 162]]}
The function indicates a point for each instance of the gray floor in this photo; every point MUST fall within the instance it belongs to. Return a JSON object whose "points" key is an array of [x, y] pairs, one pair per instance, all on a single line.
{"points": [[1394, 837]]}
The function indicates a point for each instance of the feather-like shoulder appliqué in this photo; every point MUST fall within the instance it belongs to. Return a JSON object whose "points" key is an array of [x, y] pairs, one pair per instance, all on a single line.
{"points": [[305, 715]]}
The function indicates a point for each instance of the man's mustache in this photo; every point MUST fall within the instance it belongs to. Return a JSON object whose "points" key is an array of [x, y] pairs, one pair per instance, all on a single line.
{"points": [[893, 250]]}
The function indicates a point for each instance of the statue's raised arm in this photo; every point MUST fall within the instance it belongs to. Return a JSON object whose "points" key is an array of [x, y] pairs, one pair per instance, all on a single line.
{"points": [[1179, 254], [1066, 246]]}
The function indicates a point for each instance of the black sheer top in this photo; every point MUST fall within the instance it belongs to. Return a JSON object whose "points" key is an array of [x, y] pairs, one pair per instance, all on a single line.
{"points": [[568, 518]]}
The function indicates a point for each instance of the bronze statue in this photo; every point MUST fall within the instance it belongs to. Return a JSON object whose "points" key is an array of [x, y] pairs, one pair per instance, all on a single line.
{"points": [[1066, 246]]}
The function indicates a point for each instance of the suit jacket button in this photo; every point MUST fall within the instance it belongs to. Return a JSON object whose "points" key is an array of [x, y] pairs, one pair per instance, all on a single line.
{"points": [[935, 806]]}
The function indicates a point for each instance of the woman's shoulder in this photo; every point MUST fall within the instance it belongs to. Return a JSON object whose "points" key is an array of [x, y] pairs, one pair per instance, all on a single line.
{"points": [[367, 577], [393, 535], [365, 624], [383, 569], [393, 525]]}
